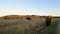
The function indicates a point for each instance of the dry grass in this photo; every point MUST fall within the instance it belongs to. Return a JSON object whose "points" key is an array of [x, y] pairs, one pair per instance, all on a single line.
{"points": [[22, 26]]}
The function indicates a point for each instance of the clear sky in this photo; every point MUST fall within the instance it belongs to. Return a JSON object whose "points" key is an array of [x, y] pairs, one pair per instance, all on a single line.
{"points": [[30, 7]]}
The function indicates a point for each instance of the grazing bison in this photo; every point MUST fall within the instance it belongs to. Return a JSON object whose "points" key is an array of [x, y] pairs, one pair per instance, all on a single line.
{"points": [[28, 18], [48, 20]]}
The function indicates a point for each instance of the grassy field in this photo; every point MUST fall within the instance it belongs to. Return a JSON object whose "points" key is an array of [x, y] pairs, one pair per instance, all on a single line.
{"points": [[51, 29], [23, 26]]}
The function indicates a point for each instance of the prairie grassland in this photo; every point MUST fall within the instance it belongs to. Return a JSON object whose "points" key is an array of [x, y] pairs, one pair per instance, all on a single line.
{"points": [[23, 26], [51, 29]]}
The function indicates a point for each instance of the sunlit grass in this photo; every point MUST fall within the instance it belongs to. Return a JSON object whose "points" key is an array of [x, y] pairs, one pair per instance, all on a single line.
{"points": [[18, 26]]}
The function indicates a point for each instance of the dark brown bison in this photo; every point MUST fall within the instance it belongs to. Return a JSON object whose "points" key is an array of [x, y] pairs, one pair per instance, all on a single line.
{"points": [[48, 20], [28, 18]]}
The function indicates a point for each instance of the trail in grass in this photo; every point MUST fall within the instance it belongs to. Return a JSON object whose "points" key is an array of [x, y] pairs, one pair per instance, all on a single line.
{"points": [[58, 28]]}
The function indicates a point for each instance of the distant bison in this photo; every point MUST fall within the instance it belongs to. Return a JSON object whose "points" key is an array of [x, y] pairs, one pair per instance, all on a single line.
{"points": [[28, 18]]}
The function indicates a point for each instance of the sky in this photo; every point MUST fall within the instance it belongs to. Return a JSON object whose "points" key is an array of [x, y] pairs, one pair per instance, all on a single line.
{"points": [[30, 7]]}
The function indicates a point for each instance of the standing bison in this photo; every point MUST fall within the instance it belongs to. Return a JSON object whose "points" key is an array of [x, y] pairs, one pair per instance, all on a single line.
{"points": [[48, 20]]}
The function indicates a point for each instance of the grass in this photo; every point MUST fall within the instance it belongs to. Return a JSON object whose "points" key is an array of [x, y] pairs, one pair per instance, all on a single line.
{"points": [[18, 26], [50, 29]]}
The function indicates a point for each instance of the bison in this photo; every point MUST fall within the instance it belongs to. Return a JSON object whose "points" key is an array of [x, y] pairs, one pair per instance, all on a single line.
{"points": [[48, 20]]}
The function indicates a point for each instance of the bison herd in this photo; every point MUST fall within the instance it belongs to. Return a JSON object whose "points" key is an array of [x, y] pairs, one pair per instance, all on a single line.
{"points": [[48, 20]]}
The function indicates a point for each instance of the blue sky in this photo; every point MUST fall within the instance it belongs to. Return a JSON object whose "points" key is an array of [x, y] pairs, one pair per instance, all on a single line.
{"points": [[30, 7]]}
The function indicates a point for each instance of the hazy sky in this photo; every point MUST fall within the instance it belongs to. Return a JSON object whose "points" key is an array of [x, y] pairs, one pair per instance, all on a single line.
{"points": [[29, 7]]}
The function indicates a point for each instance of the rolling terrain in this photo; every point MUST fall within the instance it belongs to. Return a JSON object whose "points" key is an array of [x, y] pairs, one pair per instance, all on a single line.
{"points": [[24, 26]]}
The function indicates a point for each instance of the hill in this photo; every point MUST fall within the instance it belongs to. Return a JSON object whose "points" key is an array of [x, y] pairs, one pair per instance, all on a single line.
{"points": [[20, 16]]}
